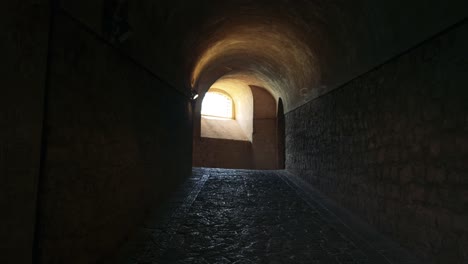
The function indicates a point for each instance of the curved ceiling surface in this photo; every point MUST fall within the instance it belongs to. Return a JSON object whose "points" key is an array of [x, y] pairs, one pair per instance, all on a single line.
{"points": [[258, 44], [296, 49], [301, 49], [263, 55]]}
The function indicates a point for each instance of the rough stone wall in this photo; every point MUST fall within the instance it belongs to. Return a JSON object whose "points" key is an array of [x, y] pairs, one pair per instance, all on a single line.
{"points": [[23, 48], [392, 146], [118, 140]]}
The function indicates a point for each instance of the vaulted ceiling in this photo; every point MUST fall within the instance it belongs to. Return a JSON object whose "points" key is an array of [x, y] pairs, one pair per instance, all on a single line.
{"points": [[297, 49]]}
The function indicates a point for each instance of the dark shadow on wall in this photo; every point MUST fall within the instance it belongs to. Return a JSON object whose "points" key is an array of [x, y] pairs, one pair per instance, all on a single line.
{"points": [[25, 26], [118, 141]]}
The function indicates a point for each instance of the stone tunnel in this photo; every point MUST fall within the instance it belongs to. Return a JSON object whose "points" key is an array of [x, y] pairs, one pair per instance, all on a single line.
{"points": [[345, 124]]}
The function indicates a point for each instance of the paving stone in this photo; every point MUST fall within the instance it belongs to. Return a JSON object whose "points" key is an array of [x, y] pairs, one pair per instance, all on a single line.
{"points": [[241, 216]]}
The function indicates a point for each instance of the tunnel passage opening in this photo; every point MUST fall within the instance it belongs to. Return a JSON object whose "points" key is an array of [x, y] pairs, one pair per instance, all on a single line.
{"points": [[237, 127], [256, 64]]}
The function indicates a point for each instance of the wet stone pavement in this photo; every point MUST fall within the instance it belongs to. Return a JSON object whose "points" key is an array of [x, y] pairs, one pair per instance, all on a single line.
{"points": [[240, 216]]}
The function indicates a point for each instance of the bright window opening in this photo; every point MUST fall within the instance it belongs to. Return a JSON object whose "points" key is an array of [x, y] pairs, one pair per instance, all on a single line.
{"points": [[217, 105]]}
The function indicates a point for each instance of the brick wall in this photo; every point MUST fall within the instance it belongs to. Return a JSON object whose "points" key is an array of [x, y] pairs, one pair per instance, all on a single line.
{"points": [[392, 146]]}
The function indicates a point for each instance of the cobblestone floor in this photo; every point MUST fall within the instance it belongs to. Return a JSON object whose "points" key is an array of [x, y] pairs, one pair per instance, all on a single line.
{"points": [[240, 216]]}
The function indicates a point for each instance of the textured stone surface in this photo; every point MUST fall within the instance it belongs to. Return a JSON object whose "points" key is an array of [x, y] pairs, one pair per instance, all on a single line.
{"points": [[391, 146], [241, 216]]}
